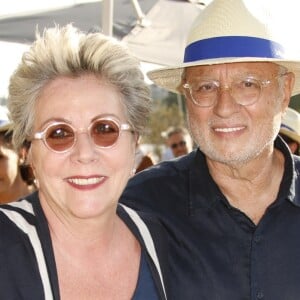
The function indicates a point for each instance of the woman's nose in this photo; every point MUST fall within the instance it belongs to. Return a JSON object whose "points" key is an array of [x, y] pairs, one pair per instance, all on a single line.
{"points": [[84, 150]]}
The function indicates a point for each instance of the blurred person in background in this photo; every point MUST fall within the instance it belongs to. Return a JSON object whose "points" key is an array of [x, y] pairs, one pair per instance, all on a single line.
{"points": [[178, 140], [142, 160], [15, 175], [290, 130], [167, 153]]}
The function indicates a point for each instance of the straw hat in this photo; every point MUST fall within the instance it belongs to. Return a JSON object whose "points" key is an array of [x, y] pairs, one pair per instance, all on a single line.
{"points": [[229, 31], [4, 121], [290, 125]]}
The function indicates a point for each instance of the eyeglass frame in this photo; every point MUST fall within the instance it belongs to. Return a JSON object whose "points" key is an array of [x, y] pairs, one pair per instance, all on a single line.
{"points": [[41, 135], [175, 145], [262, 83]]}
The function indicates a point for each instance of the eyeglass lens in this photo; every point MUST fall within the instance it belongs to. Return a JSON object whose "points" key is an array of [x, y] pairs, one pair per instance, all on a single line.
{"points": [[245, 91], [61, 137], [181, 144]]}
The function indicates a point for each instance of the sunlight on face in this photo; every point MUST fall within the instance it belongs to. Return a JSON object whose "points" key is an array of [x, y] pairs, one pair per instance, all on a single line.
{"points": [[231, 133], [86, 181]]}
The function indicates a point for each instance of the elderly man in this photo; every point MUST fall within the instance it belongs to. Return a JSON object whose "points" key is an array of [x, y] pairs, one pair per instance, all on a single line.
{"points": [[232, 207]]}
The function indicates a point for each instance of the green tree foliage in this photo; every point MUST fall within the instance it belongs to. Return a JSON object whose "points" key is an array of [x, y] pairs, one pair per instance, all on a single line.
{"points": [[295, 103]]}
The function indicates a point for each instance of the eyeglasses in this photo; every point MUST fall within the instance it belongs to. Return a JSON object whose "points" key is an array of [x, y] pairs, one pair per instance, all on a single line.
{"points": [[61, 137], [180, 144], [245, 91]]}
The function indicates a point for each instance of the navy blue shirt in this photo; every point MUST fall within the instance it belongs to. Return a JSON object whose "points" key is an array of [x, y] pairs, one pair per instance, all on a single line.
{"points": [[145, 289], [217, 252]]}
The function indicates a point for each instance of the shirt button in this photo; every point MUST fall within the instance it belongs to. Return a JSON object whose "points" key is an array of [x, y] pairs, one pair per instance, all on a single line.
{"points": [[257, 238], [259, 295]]}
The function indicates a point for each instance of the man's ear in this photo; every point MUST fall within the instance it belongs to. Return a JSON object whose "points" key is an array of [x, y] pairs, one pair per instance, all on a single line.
{"points": [[288, 88]]}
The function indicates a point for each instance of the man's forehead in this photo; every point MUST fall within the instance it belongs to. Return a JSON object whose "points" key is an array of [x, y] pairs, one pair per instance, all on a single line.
{"points": [[239, 67], [176, 134]]}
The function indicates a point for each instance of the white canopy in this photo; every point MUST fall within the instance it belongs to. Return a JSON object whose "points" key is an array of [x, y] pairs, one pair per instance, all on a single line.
{"points": [[154, 30], [162, 40]]}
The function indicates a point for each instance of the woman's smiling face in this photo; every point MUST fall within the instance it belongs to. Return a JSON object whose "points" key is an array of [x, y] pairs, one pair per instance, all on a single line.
{"points": [[86, 181]]}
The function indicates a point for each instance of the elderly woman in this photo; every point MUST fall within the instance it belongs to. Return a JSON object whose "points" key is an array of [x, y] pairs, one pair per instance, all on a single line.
{"points": [[81, 100], [14, 180]]}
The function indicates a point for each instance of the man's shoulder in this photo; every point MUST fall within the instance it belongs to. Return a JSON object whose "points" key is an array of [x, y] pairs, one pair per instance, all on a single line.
{"points": [[164, 170], [159, 185]]}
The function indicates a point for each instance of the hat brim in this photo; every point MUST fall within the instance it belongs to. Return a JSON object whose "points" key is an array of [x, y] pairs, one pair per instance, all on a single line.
{"points": [[170, 77], [295, 137], [5, 127]]}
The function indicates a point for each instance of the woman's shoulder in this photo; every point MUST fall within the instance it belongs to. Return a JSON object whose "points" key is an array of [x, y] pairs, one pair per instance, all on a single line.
{"points": [[16, 220], [139, 218], [153, 240], [145, 226]]}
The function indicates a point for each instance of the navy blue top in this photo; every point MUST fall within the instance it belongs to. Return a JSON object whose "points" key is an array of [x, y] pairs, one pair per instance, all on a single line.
{"points": [[27, 262], [217, 252], [145, 289]]}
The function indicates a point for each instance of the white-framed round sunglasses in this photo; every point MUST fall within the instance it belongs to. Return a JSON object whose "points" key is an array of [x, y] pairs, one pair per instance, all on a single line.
{"points": [[61, 137]]}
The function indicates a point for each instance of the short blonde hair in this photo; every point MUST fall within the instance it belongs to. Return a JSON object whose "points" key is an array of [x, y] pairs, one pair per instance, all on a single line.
{"points": [[66, 51]]}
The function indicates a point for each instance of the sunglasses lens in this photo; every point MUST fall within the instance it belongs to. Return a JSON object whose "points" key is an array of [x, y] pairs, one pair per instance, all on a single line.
{"points": [[181, 144], [105, 133], [60, 137]]}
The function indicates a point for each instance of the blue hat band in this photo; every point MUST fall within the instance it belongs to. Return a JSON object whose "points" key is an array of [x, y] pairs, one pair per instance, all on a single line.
{"points": [[283, 126], [232, 46]]}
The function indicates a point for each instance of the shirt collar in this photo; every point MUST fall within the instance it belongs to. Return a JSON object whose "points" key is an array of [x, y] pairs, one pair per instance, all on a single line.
{"points": [[205, 194], [290, 184]]}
